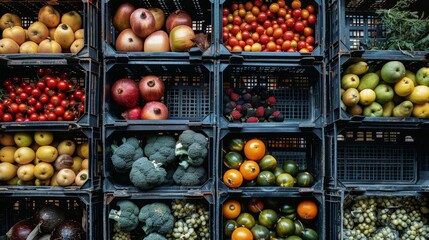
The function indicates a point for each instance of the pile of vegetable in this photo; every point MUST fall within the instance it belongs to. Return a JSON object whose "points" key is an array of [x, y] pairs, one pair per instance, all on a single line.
{"points": [[178, 219], [251, 105], [49, 222], [269, 218], [386, 217], [249, 163], [162, 160]]}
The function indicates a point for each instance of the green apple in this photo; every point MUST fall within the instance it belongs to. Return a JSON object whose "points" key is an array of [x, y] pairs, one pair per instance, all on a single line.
{"points": [[373, 110], [43, 137], [350, 81], [23, 139], [392, 71], [422, 76], [384, 93]]}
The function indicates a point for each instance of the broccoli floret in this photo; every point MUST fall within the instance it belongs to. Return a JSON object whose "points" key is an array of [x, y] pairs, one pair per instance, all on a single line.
{"points": [[190, 176], [147, 174], [156, 217], [154, 236], [125, 154], [127, 217], [160, 149], [192, 148]]}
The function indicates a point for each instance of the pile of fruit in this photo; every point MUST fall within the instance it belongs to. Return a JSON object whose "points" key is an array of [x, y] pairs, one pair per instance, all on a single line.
{"points": [[50, 96], [178, 219], [269, 218], [260, 168], [251, 105], [376, 217], [391, 91], [259, 26], [149, 30], [149, 91], [51, 33], [38, 158]]}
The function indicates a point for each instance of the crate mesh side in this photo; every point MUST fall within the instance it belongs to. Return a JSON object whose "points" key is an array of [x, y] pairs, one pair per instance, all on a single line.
{"points": [[291, 88], [375, 162]]}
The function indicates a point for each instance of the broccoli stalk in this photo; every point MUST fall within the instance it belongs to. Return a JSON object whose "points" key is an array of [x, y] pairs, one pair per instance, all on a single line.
{"points": [[156, 217], [127, 217], [191, 148], [147, 174]]}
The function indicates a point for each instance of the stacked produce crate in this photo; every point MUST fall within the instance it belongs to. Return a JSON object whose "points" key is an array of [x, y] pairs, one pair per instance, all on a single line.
{"points": [[377, 118], [168, 122], [50, 135], [270, 163]]}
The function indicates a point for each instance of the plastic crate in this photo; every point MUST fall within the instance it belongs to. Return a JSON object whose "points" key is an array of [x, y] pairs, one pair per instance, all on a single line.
{"points": [[78, 136], [84, 74], [298, 90], [110, 201], [83, 207], [334, 111], [305, 148], [340, 202], [380, 159], [201, 12], [120, 182], [189, 91], [352, 24], [319, 37], [275, 201], [88, 10]]}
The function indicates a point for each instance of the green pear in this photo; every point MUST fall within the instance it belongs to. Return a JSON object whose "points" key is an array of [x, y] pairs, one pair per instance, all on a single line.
{"points": [[392, 71], [369, 81], [404, 109], [373, 110], [388, 109], [358, 68]]}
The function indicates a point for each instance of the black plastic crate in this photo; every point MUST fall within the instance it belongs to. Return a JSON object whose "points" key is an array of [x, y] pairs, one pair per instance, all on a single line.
{"points": [[110, 200], [116, 183], [79, 137], [201, 12], [276, 201], [380, 159], [297, 88], [189, 91], [355, 24], [87, 9], [305, 148], [319, 37], [340, 203], [335, 113], [85, 208], [83, 73]]}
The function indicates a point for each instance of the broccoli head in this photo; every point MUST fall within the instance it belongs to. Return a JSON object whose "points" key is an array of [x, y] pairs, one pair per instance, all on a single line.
{"points": [[192, 148], [147, 174], [160, 149], [190, 176], [154, 236], [156, 217], [125, 154], [127, 215]]}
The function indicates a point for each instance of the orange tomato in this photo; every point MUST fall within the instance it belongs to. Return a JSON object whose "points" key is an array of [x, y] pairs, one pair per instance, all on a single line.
{"points": [[241, 233], [254, 149], [296, 4], [231, 209], [233, 178], [307, 209], [249, 169]]}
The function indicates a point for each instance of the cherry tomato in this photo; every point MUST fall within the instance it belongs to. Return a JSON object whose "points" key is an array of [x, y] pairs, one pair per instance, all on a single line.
{"points": [[311, 19], [6, 117]]}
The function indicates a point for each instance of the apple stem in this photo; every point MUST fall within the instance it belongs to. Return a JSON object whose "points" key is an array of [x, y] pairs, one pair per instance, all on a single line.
{"points": [[157, 111], [151, 83], [143, 15], [64, 26]]}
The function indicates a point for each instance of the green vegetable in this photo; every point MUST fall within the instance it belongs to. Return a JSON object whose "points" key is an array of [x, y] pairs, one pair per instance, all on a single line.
{"points": [[160, 149], [127, 217], [156, 217], [191, 176], [192, 148], [147, 174], [124, 155], [154, 236]]}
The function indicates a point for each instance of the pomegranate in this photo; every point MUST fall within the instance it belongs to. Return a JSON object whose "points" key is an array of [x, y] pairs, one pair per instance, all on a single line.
{"points": [[154, 111], [151, 88], [125, 92]]}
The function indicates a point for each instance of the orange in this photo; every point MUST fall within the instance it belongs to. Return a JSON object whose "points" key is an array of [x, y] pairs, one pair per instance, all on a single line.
{"points": [[307, 209], [233, 178], [231, 209], [241, 233], [254, 149], [249, 169]]}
